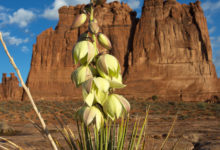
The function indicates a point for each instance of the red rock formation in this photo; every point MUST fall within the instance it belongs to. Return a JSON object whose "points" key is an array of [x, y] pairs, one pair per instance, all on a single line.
{"points": [[9, 88], [172, 55], [52, 63], [166, 53]]}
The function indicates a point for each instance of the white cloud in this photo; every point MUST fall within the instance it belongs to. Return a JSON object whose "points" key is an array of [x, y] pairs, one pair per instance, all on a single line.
{"points": [[1, 8], [24, 49], [26, 30], [12, 40], [3, 18], [134, 4], [51, 12], [212, 30], [211, 6], [3, 15], [21, 17]]}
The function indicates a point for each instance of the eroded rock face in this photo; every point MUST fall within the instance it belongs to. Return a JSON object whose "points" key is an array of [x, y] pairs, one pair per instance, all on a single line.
{"points": [[172, 55], [52, 63], [9, 88], [166, 53]]}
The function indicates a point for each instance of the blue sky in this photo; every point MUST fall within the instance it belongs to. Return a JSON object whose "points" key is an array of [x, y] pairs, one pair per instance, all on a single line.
{"points": [[22, 20]]}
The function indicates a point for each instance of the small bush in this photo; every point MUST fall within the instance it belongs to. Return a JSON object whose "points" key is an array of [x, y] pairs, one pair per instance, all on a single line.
{"points": [[154, 97]]}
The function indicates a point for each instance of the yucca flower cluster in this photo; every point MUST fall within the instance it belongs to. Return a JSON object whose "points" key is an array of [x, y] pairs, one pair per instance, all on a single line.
{"points": [[98, 74]]}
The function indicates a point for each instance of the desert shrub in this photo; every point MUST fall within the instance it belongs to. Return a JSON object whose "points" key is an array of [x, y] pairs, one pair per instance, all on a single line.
{"points": [[154, 97]]}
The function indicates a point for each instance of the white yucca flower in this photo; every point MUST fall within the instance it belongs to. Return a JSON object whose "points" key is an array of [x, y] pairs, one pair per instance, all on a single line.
{"points": [[93, 114], [109, 68], [81, 74], [83, 52], [95, 90], [115, 105]]}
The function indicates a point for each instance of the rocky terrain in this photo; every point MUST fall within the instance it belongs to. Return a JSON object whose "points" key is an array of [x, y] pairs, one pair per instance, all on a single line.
{"points": [[165, 53]]}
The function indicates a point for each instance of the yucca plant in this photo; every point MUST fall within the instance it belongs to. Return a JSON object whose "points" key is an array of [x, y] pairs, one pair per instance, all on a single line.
{"points": [[99, 75]]}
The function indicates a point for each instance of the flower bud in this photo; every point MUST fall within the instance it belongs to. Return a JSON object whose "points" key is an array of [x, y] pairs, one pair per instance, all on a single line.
{"points": [[109, 68], [112, 107], [115, 105], [80, 75], [125, 104], [83, 52], [93, 114], [87, 92], [101, 87], [108, 65], [94, 27], [104, 41], [95, 89], [79, 20], [102, 84], [87, 85]]}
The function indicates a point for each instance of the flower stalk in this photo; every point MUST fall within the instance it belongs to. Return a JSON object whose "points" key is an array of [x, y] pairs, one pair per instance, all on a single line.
{"points": [[91, 19], [98, 74]]}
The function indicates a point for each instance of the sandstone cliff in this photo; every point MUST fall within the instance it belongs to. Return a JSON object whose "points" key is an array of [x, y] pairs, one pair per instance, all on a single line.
{"points": [[167, 52], [52, 63], [172, 52], [9, 88]]}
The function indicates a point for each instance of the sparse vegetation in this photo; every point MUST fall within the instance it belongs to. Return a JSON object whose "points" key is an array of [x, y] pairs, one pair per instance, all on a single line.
{"points": [[20, 111]]}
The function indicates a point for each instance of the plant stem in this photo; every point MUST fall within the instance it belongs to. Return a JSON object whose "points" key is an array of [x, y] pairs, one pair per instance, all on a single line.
{"points": [[91, 19], [164, 142], [29, 94]]}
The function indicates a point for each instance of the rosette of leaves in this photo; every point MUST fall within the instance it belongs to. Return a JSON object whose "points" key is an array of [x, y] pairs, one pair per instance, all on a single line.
{"points": [[98, 74]]}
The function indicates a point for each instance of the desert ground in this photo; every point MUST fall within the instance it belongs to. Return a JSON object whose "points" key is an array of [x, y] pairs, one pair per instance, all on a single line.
{"points": [[197, 126]]}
